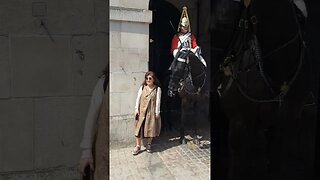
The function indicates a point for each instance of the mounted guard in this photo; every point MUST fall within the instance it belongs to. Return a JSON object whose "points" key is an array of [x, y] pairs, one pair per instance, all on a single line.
{"points": [[183, 44], [188, 77]]}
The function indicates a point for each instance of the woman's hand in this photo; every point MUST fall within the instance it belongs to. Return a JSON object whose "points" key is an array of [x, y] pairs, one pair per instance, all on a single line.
{"points": [[137, 115], [84, 163], [157, 116]]}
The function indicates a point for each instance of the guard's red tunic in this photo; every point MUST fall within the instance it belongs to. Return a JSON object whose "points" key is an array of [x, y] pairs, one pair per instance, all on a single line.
{"points": [[188, 41]]}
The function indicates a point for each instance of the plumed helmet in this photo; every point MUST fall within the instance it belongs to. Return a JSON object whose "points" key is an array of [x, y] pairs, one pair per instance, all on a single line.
{"points": [[184, 22], [184, 19]]}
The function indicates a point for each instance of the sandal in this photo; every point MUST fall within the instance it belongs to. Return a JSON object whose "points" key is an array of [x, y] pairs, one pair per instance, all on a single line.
{"points": [[136, 150]]}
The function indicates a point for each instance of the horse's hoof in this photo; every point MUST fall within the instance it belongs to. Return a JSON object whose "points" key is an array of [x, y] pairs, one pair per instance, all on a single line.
{"points": [[196, 141], [183, 141]]}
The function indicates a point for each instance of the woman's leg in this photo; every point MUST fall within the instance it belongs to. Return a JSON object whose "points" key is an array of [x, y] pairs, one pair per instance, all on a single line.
{"points": [[138, 141], [149, 141], [137, 149]]}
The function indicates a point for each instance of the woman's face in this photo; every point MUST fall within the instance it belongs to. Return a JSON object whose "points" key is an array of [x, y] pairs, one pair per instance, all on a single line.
{"points": [[149, 80]]}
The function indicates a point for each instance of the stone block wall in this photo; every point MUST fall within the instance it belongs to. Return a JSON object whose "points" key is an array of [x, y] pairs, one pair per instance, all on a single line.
{"points": [[129, 51], [51, 53]]}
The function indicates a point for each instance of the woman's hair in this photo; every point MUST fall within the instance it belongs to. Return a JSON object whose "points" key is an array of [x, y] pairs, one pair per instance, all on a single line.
{"points": [[155, 79], [105, 71], [105, 74]]}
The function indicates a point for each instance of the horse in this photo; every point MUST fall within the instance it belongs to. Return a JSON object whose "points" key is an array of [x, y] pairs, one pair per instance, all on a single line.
{"points": [[188, 80], [263, 88]]}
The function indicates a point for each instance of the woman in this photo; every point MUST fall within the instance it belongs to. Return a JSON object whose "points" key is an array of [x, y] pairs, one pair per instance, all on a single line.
{"points": [[147, 111], [94, 143]]}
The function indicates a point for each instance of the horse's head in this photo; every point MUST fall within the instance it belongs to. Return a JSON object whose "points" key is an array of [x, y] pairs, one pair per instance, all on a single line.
{"points": [[188, 72], [178, 69], [261, 47]]}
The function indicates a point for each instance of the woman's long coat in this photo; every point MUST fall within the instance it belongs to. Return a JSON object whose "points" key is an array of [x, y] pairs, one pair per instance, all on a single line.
{"points": [[147, 108], [101, 149]]}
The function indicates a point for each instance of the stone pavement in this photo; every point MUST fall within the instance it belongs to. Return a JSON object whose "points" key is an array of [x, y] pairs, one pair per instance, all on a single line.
{"points": [[169, 160]]}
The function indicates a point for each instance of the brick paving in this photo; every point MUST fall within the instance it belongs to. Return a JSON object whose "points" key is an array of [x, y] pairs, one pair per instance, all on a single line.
{"points": [[169, 160]]}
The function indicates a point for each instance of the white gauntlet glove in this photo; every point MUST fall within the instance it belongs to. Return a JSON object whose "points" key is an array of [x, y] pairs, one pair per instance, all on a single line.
{"points": [[194, 50]]}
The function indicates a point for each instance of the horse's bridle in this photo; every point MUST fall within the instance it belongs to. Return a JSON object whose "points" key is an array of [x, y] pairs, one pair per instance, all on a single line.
{"points": [[188, 78], [227, 65], [185, 80]]}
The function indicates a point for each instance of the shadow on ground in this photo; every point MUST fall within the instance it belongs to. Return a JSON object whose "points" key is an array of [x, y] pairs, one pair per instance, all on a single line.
{"points": [[171, 138]]}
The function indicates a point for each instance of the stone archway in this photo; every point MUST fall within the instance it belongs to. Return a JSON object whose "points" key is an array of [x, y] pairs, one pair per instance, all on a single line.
{"points": [[160, 58], [160, 35]]}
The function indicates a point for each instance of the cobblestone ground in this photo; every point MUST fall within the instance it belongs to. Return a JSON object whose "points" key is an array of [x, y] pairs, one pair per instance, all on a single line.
{"points": [[169, 160]]}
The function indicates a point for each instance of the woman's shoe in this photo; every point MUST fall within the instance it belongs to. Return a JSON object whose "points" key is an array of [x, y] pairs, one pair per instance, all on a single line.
{"points": [[136, 150]]}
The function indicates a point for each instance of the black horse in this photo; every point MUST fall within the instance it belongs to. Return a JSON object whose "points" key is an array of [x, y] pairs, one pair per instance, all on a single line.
{"points": [[263, 83], [188, 79]]}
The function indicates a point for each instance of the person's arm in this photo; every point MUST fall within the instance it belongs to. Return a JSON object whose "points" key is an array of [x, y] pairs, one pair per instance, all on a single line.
{"points": [[91, 120], [301, 6], [158, 102], [194, 45], [136, 107], [193, 41]]}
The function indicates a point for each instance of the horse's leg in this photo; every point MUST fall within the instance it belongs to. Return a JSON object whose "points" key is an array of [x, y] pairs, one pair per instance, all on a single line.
{"points": [[164, 114], [168, 107], [247, 144], [260, 140], [173, 113], [195, 115], [282, 151], [308, 139], [291, 152], [185, 112]]}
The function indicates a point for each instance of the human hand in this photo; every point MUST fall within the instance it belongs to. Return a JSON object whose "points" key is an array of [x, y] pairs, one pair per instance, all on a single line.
{"points": [[194, 50], [84, 163], [157, 116]]}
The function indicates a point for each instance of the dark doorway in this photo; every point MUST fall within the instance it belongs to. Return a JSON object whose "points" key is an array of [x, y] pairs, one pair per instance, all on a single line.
{"points": [[313, 29], [160, 58], [160, 35]]}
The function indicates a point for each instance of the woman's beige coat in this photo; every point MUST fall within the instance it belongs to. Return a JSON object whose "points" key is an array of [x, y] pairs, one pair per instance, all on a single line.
{"points": [[147, 114], [101, 148]]}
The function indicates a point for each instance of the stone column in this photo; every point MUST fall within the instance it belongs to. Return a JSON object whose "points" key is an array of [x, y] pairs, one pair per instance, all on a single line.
{"points": [[129, 56]]}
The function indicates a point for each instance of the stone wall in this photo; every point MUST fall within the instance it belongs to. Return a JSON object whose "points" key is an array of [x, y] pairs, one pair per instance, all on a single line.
{"points": [[129, 58], [51, 53], [129, 51]]}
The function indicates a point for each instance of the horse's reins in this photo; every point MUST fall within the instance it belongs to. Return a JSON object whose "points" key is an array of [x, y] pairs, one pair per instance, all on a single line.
{"points": [[233, 77], [196, 90]]}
